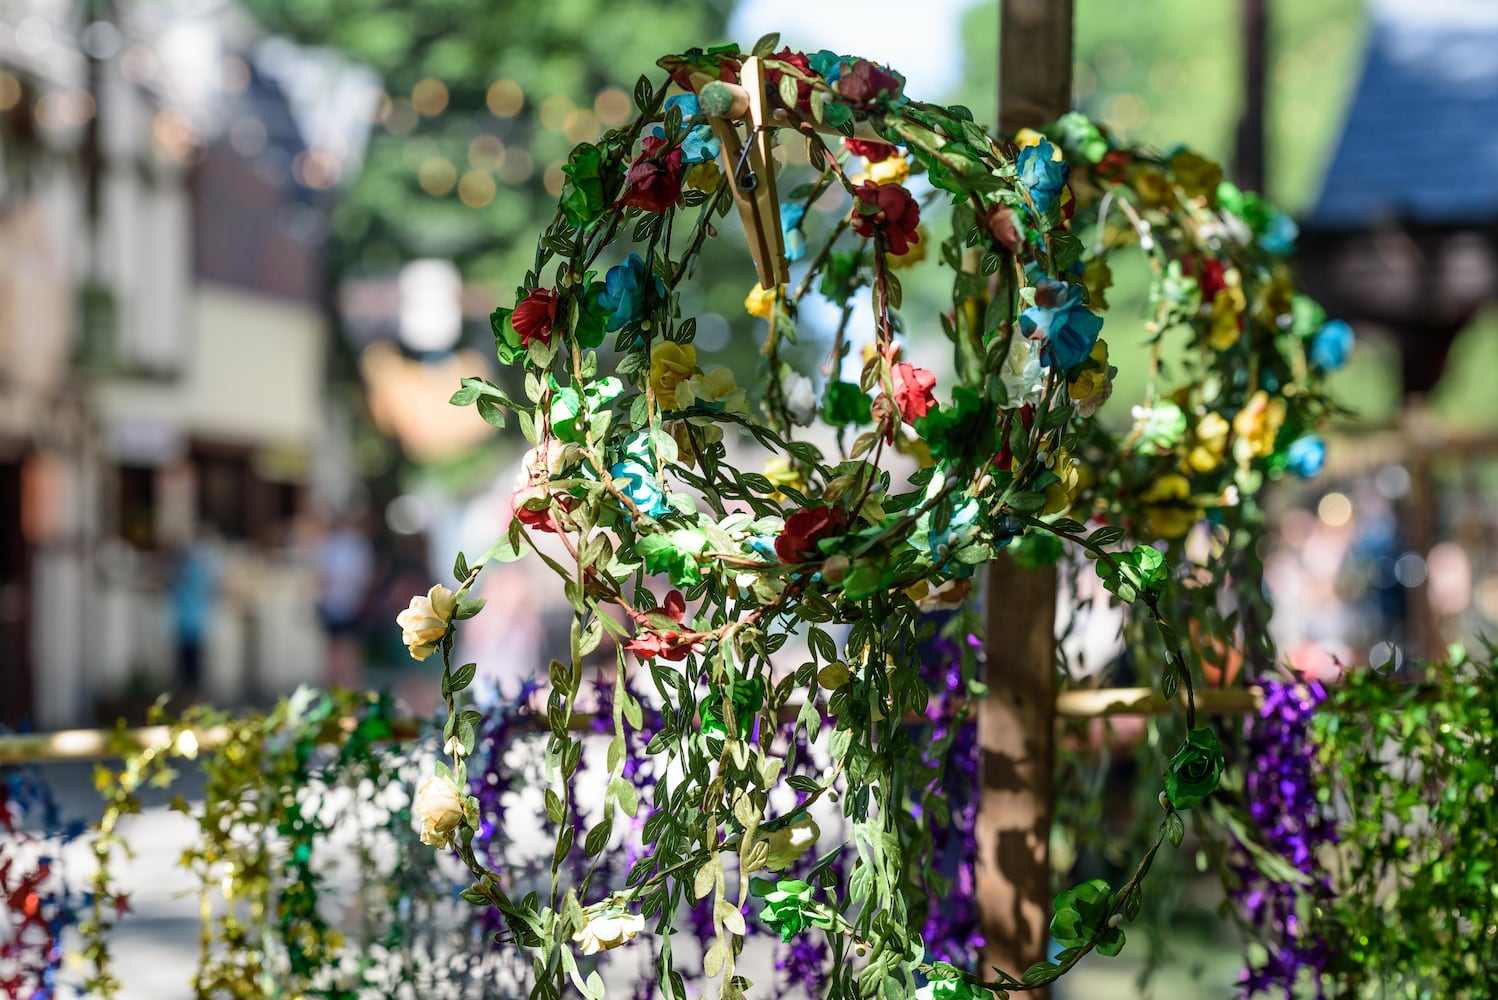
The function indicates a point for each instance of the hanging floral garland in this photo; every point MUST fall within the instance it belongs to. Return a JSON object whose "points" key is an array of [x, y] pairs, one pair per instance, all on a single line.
{"points": [[306, 808], [628, 483]]}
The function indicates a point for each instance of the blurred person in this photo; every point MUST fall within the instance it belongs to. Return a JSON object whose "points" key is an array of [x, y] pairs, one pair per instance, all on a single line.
{"points": [[195, 591], [345, 568]]}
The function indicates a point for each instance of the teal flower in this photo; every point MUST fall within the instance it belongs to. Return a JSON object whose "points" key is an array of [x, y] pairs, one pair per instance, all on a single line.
{"points": [[791, 215], [1332, 345], [624, 293], [639, 483], [1062, 322], [700, 144], [1306, 456], [1042, 176]]}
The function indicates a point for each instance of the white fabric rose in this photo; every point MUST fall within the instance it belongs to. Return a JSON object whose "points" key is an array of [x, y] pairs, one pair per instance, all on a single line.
{"points": [[790, 842], [439, 810], [607, 929], [424, 623]]}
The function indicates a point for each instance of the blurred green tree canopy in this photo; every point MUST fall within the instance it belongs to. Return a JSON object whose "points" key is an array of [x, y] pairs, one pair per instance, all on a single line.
{"points": [[484, 102]]}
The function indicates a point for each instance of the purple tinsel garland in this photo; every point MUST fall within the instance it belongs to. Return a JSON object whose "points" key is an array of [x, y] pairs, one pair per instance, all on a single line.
{"points": [[1280, 788]]}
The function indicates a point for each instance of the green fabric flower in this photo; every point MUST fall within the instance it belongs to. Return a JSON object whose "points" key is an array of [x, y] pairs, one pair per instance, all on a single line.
{"points": [[1195, 769], [567, 406], [675, 554], [1161, 428], [966, 427], [582, 195], [1081, 913], [786, 902], [748, 697], [507, 343], [844, 403]]}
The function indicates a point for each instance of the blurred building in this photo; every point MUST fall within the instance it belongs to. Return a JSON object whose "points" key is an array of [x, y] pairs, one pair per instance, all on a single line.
{"points": [[1403, 239], [163, 341]]}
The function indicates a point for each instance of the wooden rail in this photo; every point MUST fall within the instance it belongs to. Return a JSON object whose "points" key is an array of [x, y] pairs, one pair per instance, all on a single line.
{"points": [[100, 744]]}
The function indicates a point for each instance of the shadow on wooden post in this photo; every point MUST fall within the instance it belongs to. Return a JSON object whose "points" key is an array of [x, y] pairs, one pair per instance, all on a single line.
{"points": [[1016, 725]]}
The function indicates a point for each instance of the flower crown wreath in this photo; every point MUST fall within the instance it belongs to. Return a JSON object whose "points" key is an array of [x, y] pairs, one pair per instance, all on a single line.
{"points": [[628, 474]]}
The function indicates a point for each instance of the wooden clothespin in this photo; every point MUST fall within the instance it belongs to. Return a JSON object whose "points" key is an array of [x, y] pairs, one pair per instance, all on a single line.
{"points": [[751, 171]]}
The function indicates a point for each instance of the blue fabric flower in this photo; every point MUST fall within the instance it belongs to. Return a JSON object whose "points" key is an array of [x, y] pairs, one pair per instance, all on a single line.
{"points": [[791, 214], [700, 144], [828, 64], [623, 289], [1331, 345], [637, 482], [1042, 176], [941, 543], [1279, 234], [1067, 330], [1306, 456]]}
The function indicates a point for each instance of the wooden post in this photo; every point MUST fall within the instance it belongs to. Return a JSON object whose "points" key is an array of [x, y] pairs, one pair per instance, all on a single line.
{"points": [[1016, 721], [1248, 156]]}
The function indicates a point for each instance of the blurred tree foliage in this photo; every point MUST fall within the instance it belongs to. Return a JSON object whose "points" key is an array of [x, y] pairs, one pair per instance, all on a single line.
{"points": [[484, 103], [1170, 71]]}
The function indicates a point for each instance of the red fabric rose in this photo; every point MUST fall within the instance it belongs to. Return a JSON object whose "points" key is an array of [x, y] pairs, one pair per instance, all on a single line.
{"points": [[654, 179], [541, 519], [1001, 224], [889, 211], [1113, 165], [666, 644], [803, 89], [867, 84], [535, 315], [804, 529], [1211, 278], [913, 391], [874, 152]]}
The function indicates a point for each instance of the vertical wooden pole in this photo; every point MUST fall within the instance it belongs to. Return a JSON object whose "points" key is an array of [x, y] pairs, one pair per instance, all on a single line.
{"points": [[1248, 156], [1016, 721]]}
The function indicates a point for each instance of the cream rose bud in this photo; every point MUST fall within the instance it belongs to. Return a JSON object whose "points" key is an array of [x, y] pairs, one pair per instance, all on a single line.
{"points": [[607, 929], [790, 842], [424, 623], [439, 810]]}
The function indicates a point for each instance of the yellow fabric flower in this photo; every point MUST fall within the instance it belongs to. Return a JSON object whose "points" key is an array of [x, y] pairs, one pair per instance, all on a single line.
{"points": [[1027, 137], [780, 472], [439, 810], [1097, 276], [424, 623], [1152, 187], [761, 301], [702, 176], [1197, 175], [789, 843], [605, 927], [1093, 386], [1227, 316], [1258, 424], [715, 391], [891, 170], [1208, 443], [913, 256], [1169, 510], [1059, 495], [670, 364]]}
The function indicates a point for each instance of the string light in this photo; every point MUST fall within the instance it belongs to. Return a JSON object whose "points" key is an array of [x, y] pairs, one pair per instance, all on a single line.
{"points": [[505, 98]]}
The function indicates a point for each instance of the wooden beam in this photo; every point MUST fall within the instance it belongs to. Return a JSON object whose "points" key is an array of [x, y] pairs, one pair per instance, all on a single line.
{"points": [[1035, 54], [1017, 720]]}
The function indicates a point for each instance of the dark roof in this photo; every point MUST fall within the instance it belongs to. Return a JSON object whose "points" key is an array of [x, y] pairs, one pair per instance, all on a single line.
{"points": [[1421, 139]]}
